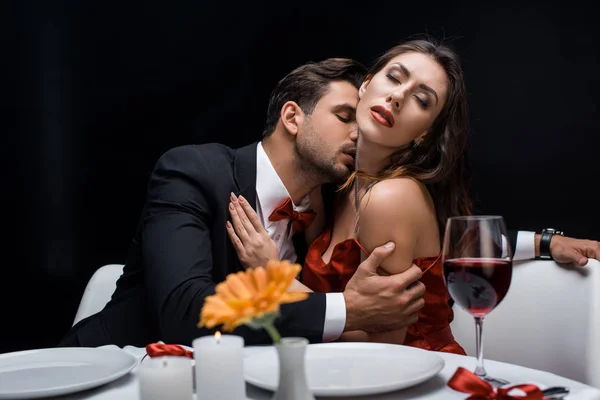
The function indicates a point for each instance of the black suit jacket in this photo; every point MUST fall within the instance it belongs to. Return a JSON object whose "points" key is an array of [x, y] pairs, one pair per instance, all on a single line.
{"points": [[181, 250]]}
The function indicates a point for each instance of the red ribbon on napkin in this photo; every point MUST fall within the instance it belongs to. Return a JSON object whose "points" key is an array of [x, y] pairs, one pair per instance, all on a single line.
{"points": [[161, 349], [466, 381]]}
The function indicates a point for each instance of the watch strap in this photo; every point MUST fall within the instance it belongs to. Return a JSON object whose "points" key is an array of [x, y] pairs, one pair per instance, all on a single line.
{"points": [[545, 245]]}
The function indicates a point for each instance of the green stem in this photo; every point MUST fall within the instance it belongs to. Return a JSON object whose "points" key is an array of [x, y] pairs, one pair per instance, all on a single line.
{"points": [[272, 331]]}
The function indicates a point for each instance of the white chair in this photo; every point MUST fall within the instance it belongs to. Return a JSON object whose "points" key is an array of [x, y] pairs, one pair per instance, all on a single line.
{"points": [[549, 320], [98, 291]]}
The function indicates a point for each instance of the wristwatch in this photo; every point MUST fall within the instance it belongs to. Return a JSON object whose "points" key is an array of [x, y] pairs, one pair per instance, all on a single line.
{"points": [[545, 242]]}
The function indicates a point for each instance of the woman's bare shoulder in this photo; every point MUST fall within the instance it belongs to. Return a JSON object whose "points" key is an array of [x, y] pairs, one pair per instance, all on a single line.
{"points": [[404, 195]]}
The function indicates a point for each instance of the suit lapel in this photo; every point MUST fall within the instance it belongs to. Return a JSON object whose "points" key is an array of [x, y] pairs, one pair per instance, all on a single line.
{"points": [[244, 171], [244, 176]]}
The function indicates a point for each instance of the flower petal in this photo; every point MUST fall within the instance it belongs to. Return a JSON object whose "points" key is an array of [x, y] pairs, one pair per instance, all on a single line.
{"points": [[248, 281], [248, 296], [260, 279], [237, 286]]}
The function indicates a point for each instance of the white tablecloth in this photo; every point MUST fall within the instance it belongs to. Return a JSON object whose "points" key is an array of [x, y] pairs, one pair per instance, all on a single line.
{"points": [[435, 388]]}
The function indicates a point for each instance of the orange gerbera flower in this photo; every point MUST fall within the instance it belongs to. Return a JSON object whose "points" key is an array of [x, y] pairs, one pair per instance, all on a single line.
{"points": [[249, 296]]}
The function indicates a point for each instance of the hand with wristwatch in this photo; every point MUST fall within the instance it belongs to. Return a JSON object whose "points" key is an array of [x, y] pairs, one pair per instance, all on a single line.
{"points": [[552, 244]]}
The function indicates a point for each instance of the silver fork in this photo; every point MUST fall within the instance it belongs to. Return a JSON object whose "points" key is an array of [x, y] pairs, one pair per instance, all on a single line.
{"points": [[556, 392], [553, 392]]}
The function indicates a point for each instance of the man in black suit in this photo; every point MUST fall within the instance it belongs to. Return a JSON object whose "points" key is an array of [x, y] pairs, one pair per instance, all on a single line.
{"points": [[181, 249]]}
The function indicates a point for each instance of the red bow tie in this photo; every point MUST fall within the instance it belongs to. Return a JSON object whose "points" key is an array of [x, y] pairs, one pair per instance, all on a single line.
{"points": [[300, 220]]}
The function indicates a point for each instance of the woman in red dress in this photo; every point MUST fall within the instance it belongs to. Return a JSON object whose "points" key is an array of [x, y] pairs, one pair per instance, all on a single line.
{"points": [[409, 178]]}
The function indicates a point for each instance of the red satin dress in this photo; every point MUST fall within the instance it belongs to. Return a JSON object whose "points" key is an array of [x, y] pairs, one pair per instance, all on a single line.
{"points": [[430, 332]]}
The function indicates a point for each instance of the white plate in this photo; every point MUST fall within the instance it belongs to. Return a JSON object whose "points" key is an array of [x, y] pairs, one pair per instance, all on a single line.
{"points": [[50, 372], [350, 369]]}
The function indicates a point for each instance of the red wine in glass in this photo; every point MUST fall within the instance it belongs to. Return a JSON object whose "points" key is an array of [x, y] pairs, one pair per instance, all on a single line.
{"points": [[478, 285], [477, 270]]}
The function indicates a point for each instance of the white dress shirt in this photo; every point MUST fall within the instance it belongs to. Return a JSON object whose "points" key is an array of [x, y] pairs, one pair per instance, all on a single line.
{"points": [[271, 192], [525, 248]]}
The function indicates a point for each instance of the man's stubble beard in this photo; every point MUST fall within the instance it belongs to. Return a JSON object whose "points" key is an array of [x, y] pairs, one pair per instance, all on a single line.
{"points": [[313, 162]]}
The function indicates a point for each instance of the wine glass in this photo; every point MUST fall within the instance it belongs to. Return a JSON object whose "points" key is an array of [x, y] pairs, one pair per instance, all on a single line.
{"points": [[477, 270]]}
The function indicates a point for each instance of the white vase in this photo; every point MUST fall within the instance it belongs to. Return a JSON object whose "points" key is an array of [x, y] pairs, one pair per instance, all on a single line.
{"points": [[292, 376]]}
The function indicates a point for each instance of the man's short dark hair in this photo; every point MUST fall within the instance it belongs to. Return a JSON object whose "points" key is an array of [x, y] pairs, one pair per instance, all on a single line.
{"points": [[308, 83]]}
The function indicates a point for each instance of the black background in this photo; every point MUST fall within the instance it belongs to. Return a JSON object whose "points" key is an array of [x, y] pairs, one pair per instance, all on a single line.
{"points": [[93, 92]]}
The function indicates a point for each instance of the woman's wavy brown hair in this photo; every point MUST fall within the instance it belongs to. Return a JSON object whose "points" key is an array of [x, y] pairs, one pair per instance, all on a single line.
{"points": [[440, 160]]}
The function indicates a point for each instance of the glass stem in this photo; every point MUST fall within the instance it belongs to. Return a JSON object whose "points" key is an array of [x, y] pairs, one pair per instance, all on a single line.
{"points": [[479, 369]]}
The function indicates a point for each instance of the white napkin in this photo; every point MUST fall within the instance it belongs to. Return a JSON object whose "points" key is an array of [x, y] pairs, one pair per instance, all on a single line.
{"points": [[137, 352], [584, 394]]}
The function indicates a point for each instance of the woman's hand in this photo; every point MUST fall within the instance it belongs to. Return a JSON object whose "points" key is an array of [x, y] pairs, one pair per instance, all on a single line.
{"points": [[250, 239]]}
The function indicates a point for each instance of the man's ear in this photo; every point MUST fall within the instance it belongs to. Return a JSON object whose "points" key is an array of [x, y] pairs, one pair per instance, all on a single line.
{"points": [[363, 86], [291, 117]]}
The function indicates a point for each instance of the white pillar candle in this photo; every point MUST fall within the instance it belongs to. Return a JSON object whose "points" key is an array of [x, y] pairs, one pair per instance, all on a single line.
{"points": [[219, 367], [166, 377]]}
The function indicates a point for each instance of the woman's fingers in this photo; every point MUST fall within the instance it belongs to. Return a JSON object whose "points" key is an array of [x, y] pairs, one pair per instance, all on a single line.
{"points": [[238, 226], [242, 215], [237, 243], [251, 214]]}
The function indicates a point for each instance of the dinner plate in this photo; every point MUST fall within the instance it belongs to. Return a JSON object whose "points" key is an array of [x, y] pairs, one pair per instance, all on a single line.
{"points": [[350, 369], [50, 372]]}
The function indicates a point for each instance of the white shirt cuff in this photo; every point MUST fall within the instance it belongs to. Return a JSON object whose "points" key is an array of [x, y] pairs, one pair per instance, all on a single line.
{"points": [[525, 246], [335, 316]]}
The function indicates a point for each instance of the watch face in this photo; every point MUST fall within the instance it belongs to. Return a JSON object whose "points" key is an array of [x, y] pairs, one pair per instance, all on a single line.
{"points": [[553, 231]]}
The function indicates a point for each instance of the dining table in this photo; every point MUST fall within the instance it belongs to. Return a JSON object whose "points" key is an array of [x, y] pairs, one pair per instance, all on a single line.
{"points": [[127, 387]]}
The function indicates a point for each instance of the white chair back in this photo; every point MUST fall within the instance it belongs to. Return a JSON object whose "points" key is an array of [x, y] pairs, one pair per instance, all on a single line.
{"points": [[98, 291], [549, 320]]}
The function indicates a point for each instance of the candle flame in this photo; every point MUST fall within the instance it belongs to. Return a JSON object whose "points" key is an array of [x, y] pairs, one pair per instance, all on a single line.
{"points": [[218, 336]]}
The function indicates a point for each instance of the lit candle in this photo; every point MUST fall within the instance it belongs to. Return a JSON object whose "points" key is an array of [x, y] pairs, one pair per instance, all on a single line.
{"points": [[165, 378], [219, 367]]}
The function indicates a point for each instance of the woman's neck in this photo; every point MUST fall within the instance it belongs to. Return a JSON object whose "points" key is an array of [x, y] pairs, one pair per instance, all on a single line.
{"points": [[372, 158]]}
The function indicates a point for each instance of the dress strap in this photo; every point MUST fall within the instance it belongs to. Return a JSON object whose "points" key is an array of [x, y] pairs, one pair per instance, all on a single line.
{"points": [[433, 263], [361, 247]]}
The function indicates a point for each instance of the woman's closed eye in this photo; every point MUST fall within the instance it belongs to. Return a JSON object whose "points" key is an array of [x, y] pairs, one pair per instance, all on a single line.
{"points": [[424, 104], [393, 78]]}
